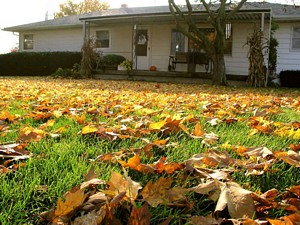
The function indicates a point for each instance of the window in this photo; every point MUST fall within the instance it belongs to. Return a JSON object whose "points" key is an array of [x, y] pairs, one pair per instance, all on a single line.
{"points": [[296, 38], [228, 39], [177, 42], [102, 39], [28, 41]]}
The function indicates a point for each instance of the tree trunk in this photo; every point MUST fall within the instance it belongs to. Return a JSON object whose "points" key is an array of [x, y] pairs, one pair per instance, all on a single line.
{"points": [[219, 75]]}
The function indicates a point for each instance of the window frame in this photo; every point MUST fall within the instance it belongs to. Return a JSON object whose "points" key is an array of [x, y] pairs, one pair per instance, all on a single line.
{"points": [[292, 48], [29, 38], [97, 39]]}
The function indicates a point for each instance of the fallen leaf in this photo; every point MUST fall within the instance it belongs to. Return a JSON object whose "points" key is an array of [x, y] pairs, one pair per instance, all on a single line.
{"points": [[238, 201], [140, 216]]}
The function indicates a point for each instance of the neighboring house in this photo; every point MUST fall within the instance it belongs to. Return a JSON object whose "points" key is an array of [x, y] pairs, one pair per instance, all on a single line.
{"points": [[148, 36]]}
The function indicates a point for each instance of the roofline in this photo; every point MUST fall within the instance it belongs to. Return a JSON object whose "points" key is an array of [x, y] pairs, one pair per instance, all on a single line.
{"points": [[266, 10], [49, 27]]}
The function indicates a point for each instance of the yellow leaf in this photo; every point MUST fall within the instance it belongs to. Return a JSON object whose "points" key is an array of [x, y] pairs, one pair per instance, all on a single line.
{"points": [[89, 129], [158, 125]]}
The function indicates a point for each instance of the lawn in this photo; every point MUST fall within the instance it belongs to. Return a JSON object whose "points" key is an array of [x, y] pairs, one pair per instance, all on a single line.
{"points": [[124, 152]]}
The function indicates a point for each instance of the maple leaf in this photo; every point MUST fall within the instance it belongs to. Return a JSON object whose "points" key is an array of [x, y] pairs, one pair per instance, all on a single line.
{"points": [[73, 199], [118, 184], [238, 201], [156, 193], [197, 132], [163, 166], [140, 216]]}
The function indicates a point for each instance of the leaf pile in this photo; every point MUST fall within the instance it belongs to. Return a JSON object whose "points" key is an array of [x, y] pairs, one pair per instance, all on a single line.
{"points": [[151, 130]]}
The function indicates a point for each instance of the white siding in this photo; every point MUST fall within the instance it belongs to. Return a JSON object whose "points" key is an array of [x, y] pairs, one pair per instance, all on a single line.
{"points": [[55, 40], [287, 59], [120, 40], [161, 46]]}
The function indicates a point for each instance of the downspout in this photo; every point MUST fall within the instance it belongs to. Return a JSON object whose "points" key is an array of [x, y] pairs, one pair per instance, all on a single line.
{"points": [[268, 47]]}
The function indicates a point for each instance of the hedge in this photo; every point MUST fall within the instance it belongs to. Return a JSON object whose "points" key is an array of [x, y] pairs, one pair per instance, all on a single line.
{"points": [[36, 63], [290, 78]]}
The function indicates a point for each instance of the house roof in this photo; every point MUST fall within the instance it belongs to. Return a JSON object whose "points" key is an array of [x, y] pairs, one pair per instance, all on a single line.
{"points": [[250, 10], [59, 23]]}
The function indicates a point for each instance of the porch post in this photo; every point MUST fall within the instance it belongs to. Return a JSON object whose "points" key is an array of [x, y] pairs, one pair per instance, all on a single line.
{"points": [[134, 59], [86, 30]]}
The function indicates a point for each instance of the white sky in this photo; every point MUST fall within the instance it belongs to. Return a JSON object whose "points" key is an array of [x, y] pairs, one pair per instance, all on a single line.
{"points": [[18, 12]]}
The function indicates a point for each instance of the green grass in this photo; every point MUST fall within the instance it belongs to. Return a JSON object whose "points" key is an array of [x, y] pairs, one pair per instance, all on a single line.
{"points": [[58, 164]]}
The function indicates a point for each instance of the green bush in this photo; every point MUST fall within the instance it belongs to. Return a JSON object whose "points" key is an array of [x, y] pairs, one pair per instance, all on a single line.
{"points": [[36, 63], [112, 60]]}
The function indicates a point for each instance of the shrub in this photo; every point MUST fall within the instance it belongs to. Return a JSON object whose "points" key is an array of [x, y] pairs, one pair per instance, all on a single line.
{"points": [[36, 63], [112, 60], [290, 78]]}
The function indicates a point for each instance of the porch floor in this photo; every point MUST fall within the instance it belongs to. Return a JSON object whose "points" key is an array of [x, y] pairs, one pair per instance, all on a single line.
{"points": [[165, 76]]}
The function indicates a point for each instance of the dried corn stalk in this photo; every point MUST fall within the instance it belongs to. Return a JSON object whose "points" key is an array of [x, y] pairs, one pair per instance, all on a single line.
{"points": [[257, 71], [88, 58]]}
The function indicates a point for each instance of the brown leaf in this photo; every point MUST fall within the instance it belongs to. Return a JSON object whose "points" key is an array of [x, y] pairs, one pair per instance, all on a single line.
{"points": [[201, 220], [295, 190], [140, 216], [91, 174], [211, 158], [167, 221], [156, 193], [206, 188], [238, 201]]}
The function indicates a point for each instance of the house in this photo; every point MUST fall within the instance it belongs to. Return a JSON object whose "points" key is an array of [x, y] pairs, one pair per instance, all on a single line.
{"points": [[148, 35]]}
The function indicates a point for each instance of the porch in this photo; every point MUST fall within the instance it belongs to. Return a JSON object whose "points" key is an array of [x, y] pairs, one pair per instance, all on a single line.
{"points": [[165, 76]]}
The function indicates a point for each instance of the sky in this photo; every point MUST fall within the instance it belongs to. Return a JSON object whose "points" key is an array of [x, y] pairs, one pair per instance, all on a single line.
{"points": [[18, 12]]}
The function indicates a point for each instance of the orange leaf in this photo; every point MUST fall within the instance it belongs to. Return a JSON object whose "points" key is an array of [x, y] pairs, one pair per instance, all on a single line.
{"points": [[295, 148], [197, 131], [80, 119], [289, 157], [73, 199], [135, 163]]}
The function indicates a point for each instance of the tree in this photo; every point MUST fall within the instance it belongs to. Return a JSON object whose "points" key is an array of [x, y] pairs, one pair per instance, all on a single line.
{"points": [[70, 8], [218, 14]]}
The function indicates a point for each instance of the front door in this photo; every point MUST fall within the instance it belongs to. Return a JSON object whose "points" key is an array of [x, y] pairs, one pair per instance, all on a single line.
{"points": [[142, 49]]}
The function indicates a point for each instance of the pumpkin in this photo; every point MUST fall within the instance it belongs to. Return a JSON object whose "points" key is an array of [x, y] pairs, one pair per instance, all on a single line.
{"points": [[152, 68]]}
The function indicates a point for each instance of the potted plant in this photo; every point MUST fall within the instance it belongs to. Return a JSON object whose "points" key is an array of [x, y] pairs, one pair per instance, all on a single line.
{"points": [[125, 65]]}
